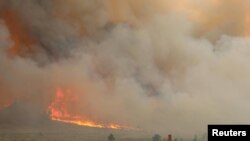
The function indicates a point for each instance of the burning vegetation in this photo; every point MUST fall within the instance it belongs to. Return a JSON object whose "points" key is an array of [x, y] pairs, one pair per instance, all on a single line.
{"points": [[58, 111]]}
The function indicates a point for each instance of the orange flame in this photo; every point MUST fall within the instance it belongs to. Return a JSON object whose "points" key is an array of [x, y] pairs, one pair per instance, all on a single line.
{"points": [[19, 34], [5, 104], [59, 112], [6, 100]]}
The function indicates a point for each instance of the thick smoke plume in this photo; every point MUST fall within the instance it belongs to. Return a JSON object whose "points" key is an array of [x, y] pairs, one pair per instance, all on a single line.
{"points": [[162, 66]]}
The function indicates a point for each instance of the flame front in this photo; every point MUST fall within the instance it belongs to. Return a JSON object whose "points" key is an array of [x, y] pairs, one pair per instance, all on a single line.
{"points": [[59, 112]]}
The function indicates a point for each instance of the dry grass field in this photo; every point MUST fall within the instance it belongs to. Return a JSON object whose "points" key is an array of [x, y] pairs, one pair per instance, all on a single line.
{"points": [[73, 133], [69, 133]]}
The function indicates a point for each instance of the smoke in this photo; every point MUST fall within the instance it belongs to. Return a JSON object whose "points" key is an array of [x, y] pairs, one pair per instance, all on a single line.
{"points": [[156, 65]]}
